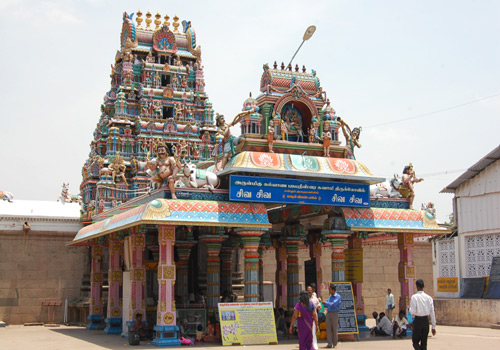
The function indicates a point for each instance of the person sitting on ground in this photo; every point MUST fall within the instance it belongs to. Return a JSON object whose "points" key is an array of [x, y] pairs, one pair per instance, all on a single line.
{"points": [[183, 333], [377, 319], [384, 326], [210, 336], [139, 326], [199, 333], [400, 325]]}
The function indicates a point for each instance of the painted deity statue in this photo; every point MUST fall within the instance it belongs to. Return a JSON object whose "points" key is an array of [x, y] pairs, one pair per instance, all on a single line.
{"points": [[163, 168], [327, 137], [351, 137], [224, 136], [270, 136], [408, 179], [118, 168]]}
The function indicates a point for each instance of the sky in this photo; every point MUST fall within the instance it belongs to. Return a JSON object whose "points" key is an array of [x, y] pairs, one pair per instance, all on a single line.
{"points": [[421, 78]]}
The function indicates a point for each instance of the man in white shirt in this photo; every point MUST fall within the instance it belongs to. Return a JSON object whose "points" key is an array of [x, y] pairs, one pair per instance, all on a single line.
{"points": [[422, 307], [389, 304], [384, 326], [400, 325]]}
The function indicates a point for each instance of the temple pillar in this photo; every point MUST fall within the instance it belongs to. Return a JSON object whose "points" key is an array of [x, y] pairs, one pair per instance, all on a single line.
{"points": [[183, 251], [355, 247], [406, 269], [137, 274], [315, 251], [226, 276], [281, 292], [337, 239], [261, 271], [115, 274], [214, 244], [292, 269], [166, 327], [251, 239], [96, 316]]}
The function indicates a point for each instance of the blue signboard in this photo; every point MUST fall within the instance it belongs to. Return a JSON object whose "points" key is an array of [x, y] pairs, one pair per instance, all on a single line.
{"points": [[292, 191]]}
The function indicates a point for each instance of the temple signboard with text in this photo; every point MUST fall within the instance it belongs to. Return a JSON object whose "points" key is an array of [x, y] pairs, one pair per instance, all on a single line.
{"points": [[294, 191], [247, 323]]}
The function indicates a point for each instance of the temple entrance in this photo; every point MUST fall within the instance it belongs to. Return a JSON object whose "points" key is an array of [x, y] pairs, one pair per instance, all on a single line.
{"points": [[310, 272]]}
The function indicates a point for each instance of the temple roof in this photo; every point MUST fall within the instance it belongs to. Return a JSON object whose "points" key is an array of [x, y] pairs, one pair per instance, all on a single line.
{"points": [[391, 220], [180, 212], [315, 167]]}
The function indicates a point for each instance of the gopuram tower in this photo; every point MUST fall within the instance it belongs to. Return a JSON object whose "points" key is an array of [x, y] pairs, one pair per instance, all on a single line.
{"points": [[157, 98]]}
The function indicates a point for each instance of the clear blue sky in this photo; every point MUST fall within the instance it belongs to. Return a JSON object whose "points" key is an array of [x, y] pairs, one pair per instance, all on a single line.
{"points": [[378, 61]]}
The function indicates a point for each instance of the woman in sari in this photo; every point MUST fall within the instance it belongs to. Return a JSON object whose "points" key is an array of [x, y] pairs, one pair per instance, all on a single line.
{"points": [[305, 314]]}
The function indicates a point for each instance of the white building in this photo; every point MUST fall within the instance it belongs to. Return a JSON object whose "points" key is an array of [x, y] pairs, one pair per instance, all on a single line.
{"points": [[468, 253]]}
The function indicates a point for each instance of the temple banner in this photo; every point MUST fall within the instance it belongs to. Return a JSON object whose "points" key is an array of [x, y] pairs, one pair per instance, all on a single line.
{"points": [[247, 323], [354, 265], [292, 191], [447, 284]]}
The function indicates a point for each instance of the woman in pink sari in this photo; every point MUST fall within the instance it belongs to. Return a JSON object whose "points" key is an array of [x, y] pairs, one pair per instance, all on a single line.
{"points": [[305, 314]]}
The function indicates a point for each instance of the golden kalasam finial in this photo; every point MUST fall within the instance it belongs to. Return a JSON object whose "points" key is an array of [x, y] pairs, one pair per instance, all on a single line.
{"points": [[139, 19], [176, 24], [148, 20], [157, 20], [166, 23]]}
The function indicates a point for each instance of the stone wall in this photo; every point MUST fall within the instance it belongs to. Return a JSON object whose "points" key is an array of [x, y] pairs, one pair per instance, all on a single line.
{"points": [[467, 312], [380, 270], [34, 267]]}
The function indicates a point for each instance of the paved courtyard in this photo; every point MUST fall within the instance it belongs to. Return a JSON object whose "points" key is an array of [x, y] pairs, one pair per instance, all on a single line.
{"points": [[76, 338]]}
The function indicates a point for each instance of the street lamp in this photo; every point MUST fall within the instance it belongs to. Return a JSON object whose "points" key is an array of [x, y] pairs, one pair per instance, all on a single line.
{"points": [[307, 35]]}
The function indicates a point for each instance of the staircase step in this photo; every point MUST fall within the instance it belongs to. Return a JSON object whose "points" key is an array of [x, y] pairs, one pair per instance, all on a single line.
{"points": [[495, 326]]}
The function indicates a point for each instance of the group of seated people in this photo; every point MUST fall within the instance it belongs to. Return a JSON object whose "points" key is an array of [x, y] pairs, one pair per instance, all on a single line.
{"points": [[385, 327], [211, 335]]}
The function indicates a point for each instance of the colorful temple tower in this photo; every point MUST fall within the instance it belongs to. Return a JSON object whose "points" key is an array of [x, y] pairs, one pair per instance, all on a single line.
{"points": [[157, 94], [195, 193]]}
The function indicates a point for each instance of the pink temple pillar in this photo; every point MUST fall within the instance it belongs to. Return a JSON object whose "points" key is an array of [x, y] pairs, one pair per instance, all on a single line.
{"points": [[281, 290], [406, 269], [214, 244], [292, 269], [96, 309], [115, 275], [166, 327], [137, 273]]}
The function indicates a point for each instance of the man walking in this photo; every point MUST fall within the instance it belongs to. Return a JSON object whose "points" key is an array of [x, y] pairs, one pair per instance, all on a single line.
{"points": [[422, 307], [332, 317], [389, 304]]}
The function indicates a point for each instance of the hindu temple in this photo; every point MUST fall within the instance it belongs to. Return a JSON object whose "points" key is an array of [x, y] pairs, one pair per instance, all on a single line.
{"points": [[180, 211]]}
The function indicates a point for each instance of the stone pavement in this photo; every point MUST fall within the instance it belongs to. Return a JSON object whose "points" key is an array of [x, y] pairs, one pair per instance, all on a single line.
{"points": [[76, 338]]}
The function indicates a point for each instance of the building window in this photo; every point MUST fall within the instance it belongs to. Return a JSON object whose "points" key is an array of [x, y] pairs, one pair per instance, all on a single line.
{"points": [[479, 252], [447, 259]]}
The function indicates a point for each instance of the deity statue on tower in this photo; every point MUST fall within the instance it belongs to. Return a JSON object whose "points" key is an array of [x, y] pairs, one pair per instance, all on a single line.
{"points": [[163, 167]]}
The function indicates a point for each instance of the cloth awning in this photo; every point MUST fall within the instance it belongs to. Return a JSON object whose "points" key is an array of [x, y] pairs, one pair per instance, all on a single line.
{"points": [[180, 212], [391, 220]]}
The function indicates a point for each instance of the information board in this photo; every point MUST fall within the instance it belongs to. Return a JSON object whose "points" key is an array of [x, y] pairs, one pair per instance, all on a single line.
{"points": [[348, 324], [354, 265], [247, 323], [294, 191]]}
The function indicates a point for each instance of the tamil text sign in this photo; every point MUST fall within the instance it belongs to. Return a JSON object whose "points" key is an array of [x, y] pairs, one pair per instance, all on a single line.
{"points": [[293, 191]]}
